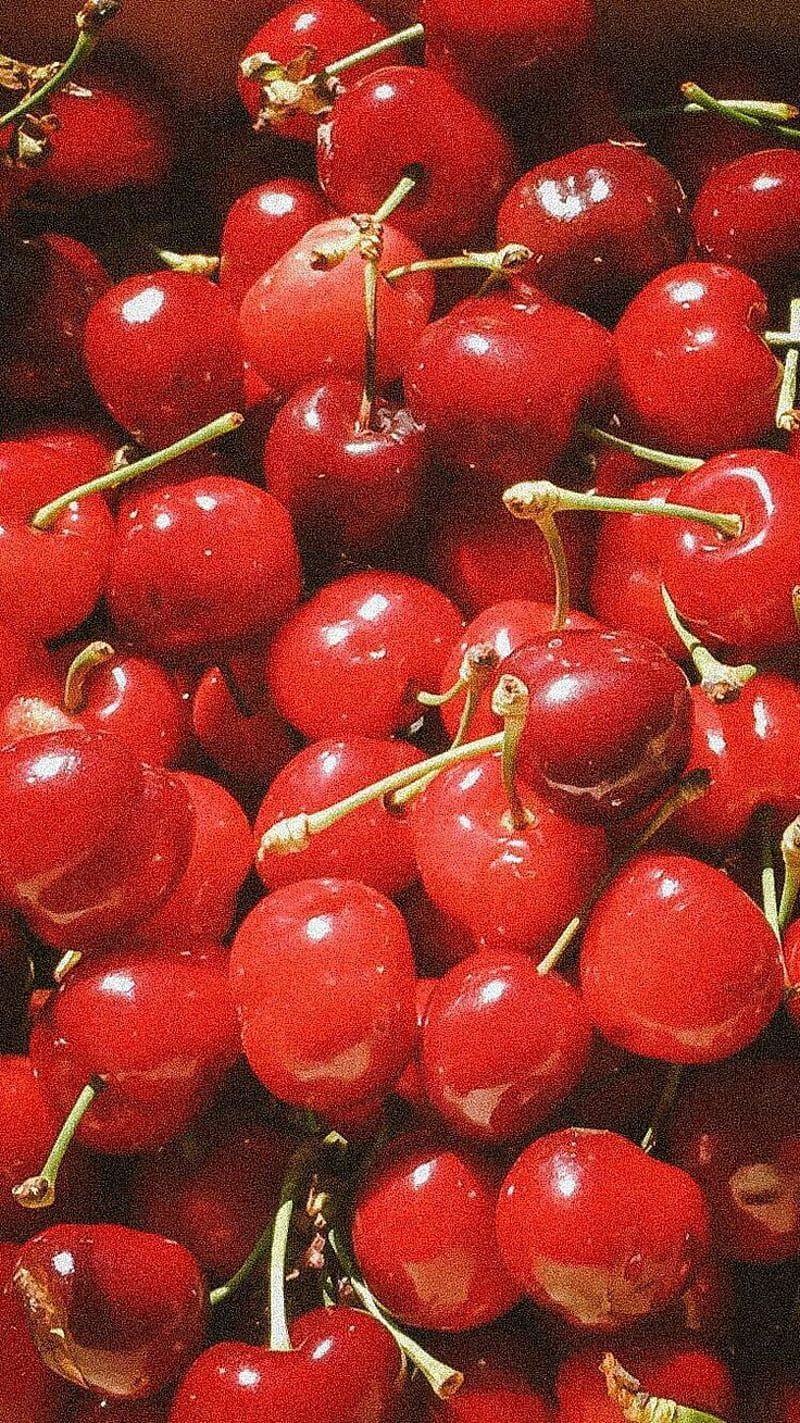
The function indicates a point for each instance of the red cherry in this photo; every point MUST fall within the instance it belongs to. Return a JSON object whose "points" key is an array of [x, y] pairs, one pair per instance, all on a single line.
{"points": [[110, 134], [746, 214], [410, 1085], [512, 888], [29, 1392], [352, 659], [208, 561], [370, 845], [502, 1046], [345, 483], [23, 659], [600, 221], [156, 1025], [625, 591], [28, 1128], [694, 375], [114, 1310], [701, 977], [594, 1229], [236, 723], [91, 839], [163, 355], [325, 307], [323, 979], [263, 224], [438, 941], [423, 1235], [677, 1369], [497, 1385]]}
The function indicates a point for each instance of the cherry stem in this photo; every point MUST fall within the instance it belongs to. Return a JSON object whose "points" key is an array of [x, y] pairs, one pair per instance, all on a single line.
{"points": [[90, 21], [721, 682], [95, 654], [768, 109], [787, 416], [500, 262], [259, 1251], [444, 1380], [790, 852], [66, 964], [40, 1191], [47, 515], [689, 788], [297, 1179], [663, 1107], [695, 95], [367, 410], [549, 530], [199, 263], [340, 66], [685, 464], [480, 661], [769, 892], [510, 701], [781, 338], [533, 499], [638, 1406]]}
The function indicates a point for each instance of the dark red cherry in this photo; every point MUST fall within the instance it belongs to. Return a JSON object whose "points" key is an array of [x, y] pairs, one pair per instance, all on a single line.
{"points": [[91, 839], [49, 285], [694, 375], [344, 1368], [162, 351], [596, 1230], [678, 1369], [110, 134], [236, 724], [114, 1310], [325, 307], [370, 845], [352, 659], [625, 588], [323, 979], [156, 1025], [401, 118], [510, 887], [263, 224], [410, 1085], [500, 1380], [502, 1046], [29, 1392], [700, 977], [347, 485], [424, 1238], [208, 561], [438, 940], [28, 1128], [600, 222], [609, 720], [330, 29], [746, 214]]}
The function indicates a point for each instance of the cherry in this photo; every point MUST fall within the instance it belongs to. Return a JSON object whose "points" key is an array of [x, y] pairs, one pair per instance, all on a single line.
{"points": [[625, 589], [502, 1046], [745, 214], [49, 285], [347, 483], [155, 1025], [92, 840], [23, 659], [512, 887], [110, 135], [111, 1309], [423, 1234], [500, 384], [325, 305], [601, 221], [410, 1085], [89, 445], [344, 1368], [372, 845], [593, 1228], [29, 1392], [207, 561], [438, 941], [693, 372], [352, 658], [236, 724], [28, 1127], [163, 355], [497, 1386], [261, 226], [703, 975], [677, 1369], [323, 979]]}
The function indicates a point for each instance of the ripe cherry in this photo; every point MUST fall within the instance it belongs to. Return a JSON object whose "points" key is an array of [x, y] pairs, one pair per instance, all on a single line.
{"points": [[29, 1392], [438, 941], [423, 1235], [499, 1383], [701, 977], [625, 589], [596, 1230], [352, 659], [110, 134], [746, 214], [261, 226], [236, 724], [28, 1128], [678, 1369], [23, 659]]}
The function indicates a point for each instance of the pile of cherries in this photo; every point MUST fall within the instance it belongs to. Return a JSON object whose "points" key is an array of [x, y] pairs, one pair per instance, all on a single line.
{"points": [[399, 732]]}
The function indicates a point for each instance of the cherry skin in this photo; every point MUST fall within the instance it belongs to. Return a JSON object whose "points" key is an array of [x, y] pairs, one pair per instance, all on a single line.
{"points": [[677, 1369], [410, 1086], [511, 888], [608, 724], [438, 940], [261, 226], [28, 1128], [370, 845], [347, 485], [110, 135], [700, 978], [625, 588], [746, 214], [351, 660], [204, 562], [114, 1310], [163, 355], [92, 840], [502, 1046], [236, 724], [157, 1025], [344, 1368], [694, 375], [23, 659], [325, 306], [423, 1235], [497, 1386], [594, 1229], [399, 118], [600, 222], [29, 1392]]}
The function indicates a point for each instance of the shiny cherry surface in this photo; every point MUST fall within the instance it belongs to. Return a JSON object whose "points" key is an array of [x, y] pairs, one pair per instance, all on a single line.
{"points": [[625, 588], [263, 224], [746, 214], [29, 1391], [28, 1128], [680, 1369]]}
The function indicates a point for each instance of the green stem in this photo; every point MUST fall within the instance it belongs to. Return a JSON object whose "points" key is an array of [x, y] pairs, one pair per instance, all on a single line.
{"points": [[549, 530], [787, 416], [40, 1191], [366, 414], [510, 701], [663, 1107], [398, 195], [83, 47], [721, 682], [638, 1406], [480, 662], [769, 893], [259, 1251], [532, 499], [95, 654], [296, 1181], [685, 464], [704, 100], [790, 851], [501, 261], [339, 66], [771, 110]]}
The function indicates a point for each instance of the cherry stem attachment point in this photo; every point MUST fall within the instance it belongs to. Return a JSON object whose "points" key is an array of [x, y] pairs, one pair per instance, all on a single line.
{"points": [[95, 654], [721, 682], [500, 262], [47, 515], [406, 36], [685, 464], [40, 1191], [480, 662], [201, 264], [89, 21], [66, 964], [510, 701], [664, 1106], [695, 95], [787, 415], [533, 499], [790, 852], [638, 1406]]}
